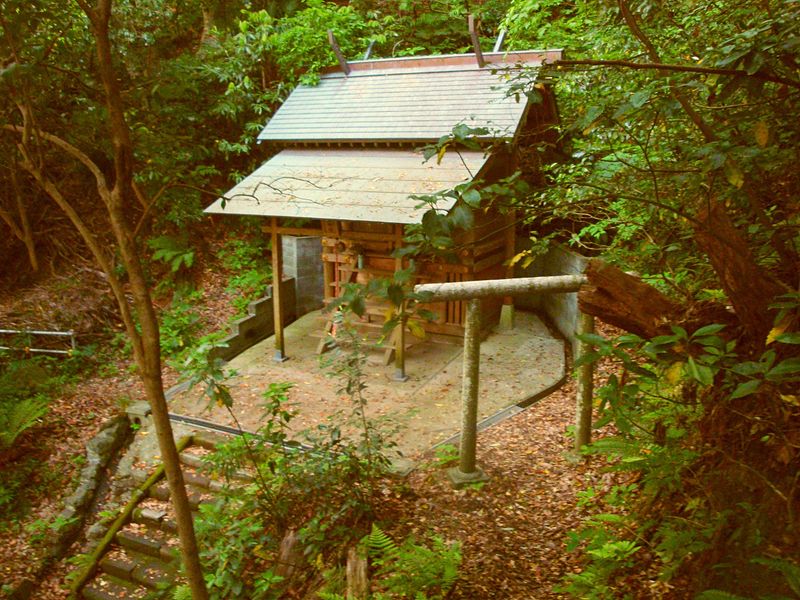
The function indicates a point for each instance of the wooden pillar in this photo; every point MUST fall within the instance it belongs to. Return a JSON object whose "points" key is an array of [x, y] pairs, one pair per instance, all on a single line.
{"points": [[507, 310], [400, 338], [583, 413], [277, 277]]}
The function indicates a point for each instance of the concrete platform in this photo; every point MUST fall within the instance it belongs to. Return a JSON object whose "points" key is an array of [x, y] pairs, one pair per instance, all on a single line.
{"points": [[516, 366]]}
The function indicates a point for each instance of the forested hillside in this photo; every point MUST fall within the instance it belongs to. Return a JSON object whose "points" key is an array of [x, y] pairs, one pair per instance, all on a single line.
{"points": [[675, 159]]}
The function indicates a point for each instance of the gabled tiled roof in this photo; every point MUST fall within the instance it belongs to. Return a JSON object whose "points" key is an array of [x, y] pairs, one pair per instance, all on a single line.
{"points": [[415, 99]]}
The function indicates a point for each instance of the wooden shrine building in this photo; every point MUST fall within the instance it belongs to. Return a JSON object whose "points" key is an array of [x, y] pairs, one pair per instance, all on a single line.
{"points": [[348, 167]]}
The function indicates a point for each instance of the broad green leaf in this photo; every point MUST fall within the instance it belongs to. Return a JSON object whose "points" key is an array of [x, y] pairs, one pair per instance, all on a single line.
{"points": [[592, 338], [701, 373], [708, 330], [586, 358], [472, 197], [395, 294], [788, 338], [358, 306], [640, 98], [462, 217], [784, 368], [745, 389]]}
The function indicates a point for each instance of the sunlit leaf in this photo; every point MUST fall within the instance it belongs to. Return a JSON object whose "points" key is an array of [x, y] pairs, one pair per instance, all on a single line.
{"points": [[733, 173]]}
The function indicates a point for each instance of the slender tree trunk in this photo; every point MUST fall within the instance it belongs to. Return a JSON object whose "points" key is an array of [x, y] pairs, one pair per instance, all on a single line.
{"points": [[148, 352], [25, 224], [22, 230]]}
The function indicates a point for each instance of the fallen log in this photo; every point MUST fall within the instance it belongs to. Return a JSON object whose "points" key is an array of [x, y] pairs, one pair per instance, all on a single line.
{"points": [[625, 301]]}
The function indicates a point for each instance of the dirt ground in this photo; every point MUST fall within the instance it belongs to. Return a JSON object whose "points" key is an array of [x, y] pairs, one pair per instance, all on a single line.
{"points": [[515, 366]]}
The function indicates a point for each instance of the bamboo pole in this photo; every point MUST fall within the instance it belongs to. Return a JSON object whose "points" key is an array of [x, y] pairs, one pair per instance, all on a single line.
{"points": [[400, 338]]}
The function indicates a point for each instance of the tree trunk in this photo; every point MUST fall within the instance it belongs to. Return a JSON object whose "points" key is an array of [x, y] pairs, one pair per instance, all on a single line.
{"points": [[26, 231], [147, 352], [744, 282]]}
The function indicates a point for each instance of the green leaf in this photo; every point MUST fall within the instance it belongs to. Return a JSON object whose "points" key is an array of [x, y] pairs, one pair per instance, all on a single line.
{"points": [[586, 358], [462, 216], [708, 330], [640, 98], [472, 197], [789, 338], [701, 373], [395, 294], [784, 368], [745, 389], [592, 338], [358, 306]]}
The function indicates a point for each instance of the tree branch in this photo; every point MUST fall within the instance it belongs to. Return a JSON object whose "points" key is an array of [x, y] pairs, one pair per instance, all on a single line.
{"points": [[659, 66], [652, 52], [68, 148]]}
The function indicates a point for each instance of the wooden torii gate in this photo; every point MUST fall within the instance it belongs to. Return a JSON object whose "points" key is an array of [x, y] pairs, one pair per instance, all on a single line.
{"points": [[467, 470]]}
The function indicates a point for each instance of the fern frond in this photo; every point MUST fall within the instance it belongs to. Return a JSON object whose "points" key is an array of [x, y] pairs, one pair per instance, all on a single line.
{"points": [[330, 596], [380, 546], [17, 416], [789, 570], [182, 592]]}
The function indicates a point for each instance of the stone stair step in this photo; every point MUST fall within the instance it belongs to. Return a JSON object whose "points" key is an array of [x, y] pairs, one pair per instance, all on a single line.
{"points": [[154, 574], [207, 440], [150, 517], [118, 566], [192, 460], [144, 543], [196, 462], [197, 480], [161, 492], [108, 587]]}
